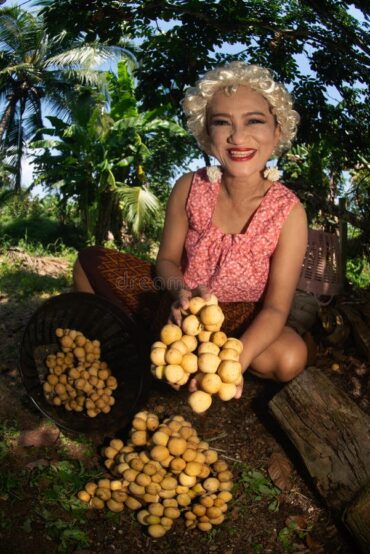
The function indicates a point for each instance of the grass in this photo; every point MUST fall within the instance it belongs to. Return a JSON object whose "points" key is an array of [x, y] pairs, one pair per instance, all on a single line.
{"points": [[51, 488], [23, 283], [56, 248], [9, 433], [39, 230]]}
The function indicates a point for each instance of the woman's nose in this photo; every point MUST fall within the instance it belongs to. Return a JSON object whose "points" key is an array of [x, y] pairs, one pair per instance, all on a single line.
{"points": [[237, 134]]}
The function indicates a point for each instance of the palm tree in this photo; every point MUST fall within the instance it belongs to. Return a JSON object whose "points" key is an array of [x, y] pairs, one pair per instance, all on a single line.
{"points": [[38, 69]]}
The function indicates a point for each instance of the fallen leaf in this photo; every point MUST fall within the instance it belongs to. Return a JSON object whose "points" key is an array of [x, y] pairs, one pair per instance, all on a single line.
{"points": [[38, 437], [279, 470], [299, 520], [314, 545]]}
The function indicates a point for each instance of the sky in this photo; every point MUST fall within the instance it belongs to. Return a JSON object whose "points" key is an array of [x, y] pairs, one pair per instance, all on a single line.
{"points": [[302, 62]]}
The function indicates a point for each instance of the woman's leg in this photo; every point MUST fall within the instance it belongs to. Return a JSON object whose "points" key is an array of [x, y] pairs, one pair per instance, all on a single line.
{"points": [[80, 280], [283, 360]]}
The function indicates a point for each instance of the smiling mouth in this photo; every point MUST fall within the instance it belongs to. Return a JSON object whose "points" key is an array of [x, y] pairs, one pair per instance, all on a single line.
{"points": [[241, 154]]}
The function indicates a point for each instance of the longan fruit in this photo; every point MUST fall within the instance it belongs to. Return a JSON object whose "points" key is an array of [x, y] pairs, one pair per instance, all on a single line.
{"points": [[47, 387], [112, 382], [52, 380], [66, 342], [60, 388], [79, 352]]}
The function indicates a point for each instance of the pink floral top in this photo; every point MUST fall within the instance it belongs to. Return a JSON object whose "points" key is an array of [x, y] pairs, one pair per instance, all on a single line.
{"points": [[234, 267]]}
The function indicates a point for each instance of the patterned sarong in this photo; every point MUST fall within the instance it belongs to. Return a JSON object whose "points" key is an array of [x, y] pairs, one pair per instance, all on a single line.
{"points": [[130, 283]]}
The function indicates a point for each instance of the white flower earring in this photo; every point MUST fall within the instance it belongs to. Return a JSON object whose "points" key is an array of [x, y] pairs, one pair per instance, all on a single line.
{"points": [[213, 173], [271, 174]]}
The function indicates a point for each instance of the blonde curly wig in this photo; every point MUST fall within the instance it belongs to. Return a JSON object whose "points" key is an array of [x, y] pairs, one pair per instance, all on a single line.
{"points": [[228, 77]]}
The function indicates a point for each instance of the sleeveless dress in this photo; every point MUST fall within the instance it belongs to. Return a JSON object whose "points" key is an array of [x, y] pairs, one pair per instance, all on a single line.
{"points": [[234, 267]]}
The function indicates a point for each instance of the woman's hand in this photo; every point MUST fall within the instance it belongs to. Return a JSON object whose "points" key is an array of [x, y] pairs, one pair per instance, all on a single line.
{"points": [[182, 301], [239, 390]]}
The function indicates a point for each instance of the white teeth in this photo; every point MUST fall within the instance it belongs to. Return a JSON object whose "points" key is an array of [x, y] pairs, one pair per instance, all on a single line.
{"points": [[239, 154]]}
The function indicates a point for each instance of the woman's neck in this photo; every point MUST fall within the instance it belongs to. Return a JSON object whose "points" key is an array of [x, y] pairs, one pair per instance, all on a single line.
{"points": [[245, 188]]}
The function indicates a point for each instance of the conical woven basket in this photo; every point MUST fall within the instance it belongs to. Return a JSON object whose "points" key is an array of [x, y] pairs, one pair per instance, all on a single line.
{"points": [[321, 273], [121, 348]]}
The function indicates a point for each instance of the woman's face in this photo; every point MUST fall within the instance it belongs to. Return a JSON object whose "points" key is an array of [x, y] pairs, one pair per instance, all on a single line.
{"points": [[242, 131]]}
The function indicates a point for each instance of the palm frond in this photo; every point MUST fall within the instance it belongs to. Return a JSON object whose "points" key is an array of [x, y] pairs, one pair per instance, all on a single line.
{"points": [[139, 205], [86, 56], [87, 77], [25, 67]]}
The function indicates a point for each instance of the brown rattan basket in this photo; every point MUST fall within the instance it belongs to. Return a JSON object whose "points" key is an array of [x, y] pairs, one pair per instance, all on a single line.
{"points": [[121, 347]]}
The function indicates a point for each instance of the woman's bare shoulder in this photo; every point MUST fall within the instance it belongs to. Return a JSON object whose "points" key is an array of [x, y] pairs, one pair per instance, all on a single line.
{"points": [[181, 188]]}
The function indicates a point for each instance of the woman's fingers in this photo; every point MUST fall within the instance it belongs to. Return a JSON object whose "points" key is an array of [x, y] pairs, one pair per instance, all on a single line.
{"points": [[203, 291], [239, 390], [193, 385], [175, 315], [181, 303]]}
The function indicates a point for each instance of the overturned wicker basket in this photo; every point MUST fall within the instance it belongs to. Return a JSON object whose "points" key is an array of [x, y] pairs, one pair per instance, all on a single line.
{"points": [[122, 349]]}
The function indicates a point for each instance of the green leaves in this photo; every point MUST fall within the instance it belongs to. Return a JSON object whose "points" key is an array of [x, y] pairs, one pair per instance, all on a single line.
{"points": [[258, 486], [140, 205]]}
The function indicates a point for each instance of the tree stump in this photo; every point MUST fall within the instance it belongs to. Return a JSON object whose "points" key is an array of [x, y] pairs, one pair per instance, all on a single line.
{"points": [[332, 435]]}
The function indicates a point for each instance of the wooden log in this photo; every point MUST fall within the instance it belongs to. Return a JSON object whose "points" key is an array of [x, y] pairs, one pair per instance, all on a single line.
{"points": [[357, 519], [332, 435]]}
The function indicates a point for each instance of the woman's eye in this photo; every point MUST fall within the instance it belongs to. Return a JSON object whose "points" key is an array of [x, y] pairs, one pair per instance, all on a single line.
{"points": [[218, 122], [255, 121]]}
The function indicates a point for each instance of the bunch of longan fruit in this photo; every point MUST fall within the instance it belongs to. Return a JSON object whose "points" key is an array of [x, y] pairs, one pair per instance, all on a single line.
{"points": [[199, 349], [77, 379], [163, 471]]}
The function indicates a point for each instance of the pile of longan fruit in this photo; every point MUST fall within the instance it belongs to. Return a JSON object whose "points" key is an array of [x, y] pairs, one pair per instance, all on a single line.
{"points": [[163, 472], [77, 379], [199, 349]]}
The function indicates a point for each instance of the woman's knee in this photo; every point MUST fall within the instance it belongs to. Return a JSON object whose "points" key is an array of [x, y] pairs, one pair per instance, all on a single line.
{"points": [[80, 281], [292, 361]]}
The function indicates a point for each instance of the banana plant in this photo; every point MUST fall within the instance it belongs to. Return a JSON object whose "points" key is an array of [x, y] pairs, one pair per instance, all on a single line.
{"points": [[102, 158]]}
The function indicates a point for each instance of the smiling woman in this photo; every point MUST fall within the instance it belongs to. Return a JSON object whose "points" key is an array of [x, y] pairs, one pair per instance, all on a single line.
{"points": [[231, 230]]}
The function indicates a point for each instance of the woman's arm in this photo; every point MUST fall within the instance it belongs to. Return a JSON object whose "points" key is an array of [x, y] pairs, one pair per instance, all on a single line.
{"points": [[285, 269], [170, 252]]}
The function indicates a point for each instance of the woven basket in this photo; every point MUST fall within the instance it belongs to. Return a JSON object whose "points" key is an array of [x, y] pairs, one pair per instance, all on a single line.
{"points": [[321, 273], [121, 348]]}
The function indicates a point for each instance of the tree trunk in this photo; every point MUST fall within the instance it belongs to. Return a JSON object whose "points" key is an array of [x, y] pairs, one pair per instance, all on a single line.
{"points": [[116, 221], [7, 116], [332, 435], [103, 224]]}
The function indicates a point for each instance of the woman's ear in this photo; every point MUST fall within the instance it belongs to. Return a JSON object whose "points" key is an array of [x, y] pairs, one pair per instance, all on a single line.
{"points": [[277, 135]]}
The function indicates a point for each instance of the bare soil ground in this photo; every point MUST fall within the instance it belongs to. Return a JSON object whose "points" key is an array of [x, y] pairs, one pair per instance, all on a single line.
{"points": [[244, 431]]}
